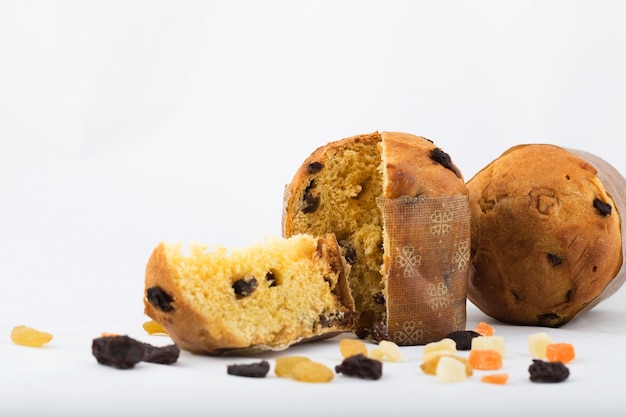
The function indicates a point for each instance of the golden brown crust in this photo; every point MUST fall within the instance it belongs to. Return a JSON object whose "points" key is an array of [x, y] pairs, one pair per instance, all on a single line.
{"points": [[542, 252]]}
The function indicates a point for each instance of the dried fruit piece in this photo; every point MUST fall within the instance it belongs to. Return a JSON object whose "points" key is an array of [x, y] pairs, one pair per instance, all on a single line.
{"points": [[489, 342], [164, 355], [28, 336], [251, 370], [463, 338], [309, 371], [560, 352], [430, 367], [245, 286], [537, 344], [499, 379], [350, 347], [124, 352], [152, 327], [360, 366], [485, 359], [441, 347], [450, 370], [485, 329], [285, 364], [542, 371], [386, 350]]}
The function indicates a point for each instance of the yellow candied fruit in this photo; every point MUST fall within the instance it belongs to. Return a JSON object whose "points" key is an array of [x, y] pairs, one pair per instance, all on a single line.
{"points": [[430, 367], [537, 344], [450, 370], [351, 347], [309, 371], [285, 364], [27, 336], [489, 342], [442, 347], [152, 327], [386, 350]]}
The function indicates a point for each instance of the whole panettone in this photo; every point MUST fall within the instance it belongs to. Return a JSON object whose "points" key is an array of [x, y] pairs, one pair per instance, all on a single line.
{"points": [[399, 209], [546, 235]]}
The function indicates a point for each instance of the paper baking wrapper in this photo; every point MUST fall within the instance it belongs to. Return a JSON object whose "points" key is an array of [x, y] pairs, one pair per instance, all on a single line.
{"points": [[428, 262], [615, 185]]}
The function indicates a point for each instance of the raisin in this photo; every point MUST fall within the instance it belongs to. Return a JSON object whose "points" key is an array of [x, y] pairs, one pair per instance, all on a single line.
{"points": [[379, 331], [444, 159], [379, 298], [311, 202], [362, 332], [152, 327], [549, 319], [165, 355], [28, 336], [245, 286], [284, 365], [308, 371], [160, 299], [360, 366], [351, 347], [463, 338], [542, 371], [271, 279], [252, 370], [603, 208], [121, 352], [554, 260], [349, 251], [315, 167]]}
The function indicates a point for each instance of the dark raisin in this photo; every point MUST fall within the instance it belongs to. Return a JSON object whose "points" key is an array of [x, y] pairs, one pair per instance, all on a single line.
{"points": [[379, 331], [444, 160], [362, 332], [463, 338], [549, 319], [603, 208], [160, 299], [164, 355], [349, 251], [271, 279], [311, 202], [360, 366], [245, 286], [379, 298], [339, 318], [315, 167], [554, 259], [121, 352], [542, 371], [252, 370]]}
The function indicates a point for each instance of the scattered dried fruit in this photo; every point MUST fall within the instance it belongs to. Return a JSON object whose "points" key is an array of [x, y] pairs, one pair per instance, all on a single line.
{"points": [[485, 359], [251, 370], [499, 379], [28, 336], [489, 342], [430, 367], [450, 370], [442, 347], [360, 366], [152, 327], [463, 338], [484, 329], [386, 350], [124, 352], [350, 347], [537, 344], [542, 371], [284, 364], [560, 352], [309, 371]]}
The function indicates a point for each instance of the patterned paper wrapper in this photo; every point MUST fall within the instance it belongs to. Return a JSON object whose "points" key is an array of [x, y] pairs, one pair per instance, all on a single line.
{"points": [[428, 262], [615, 185]]}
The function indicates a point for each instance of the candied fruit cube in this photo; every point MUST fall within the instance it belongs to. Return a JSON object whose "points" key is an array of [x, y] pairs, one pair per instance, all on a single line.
{"points": [[537, 344], [450, 370], [386, 350], [28, 336], [484, 329], [499, 379], [430, 367], [309, 371], [485, 359], [352, 347], [560, 352], [285, 364], [441, 347], [489, 342], [152, 327]]}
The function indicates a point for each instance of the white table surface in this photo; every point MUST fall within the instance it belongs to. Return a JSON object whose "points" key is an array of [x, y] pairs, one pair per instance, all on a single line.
{"points": [[123, 124]]}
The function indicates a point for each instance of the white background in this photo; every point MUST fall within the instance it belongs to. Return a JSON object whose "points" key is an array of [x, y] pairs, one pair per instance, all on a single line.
{"points": [[126, 123]]}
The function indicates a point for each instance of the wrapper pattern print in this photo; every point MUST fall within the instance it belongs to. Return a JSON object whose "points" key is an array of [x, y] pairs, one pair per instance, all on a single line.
{"points": [[428, 266]]}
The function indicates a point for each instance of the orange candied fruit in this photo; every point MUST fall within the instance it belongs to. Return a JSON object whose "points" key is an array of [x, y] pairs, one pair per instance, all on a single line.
{"points": [[484, 329], [499, 379], [560, 352], [485, 359]]}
